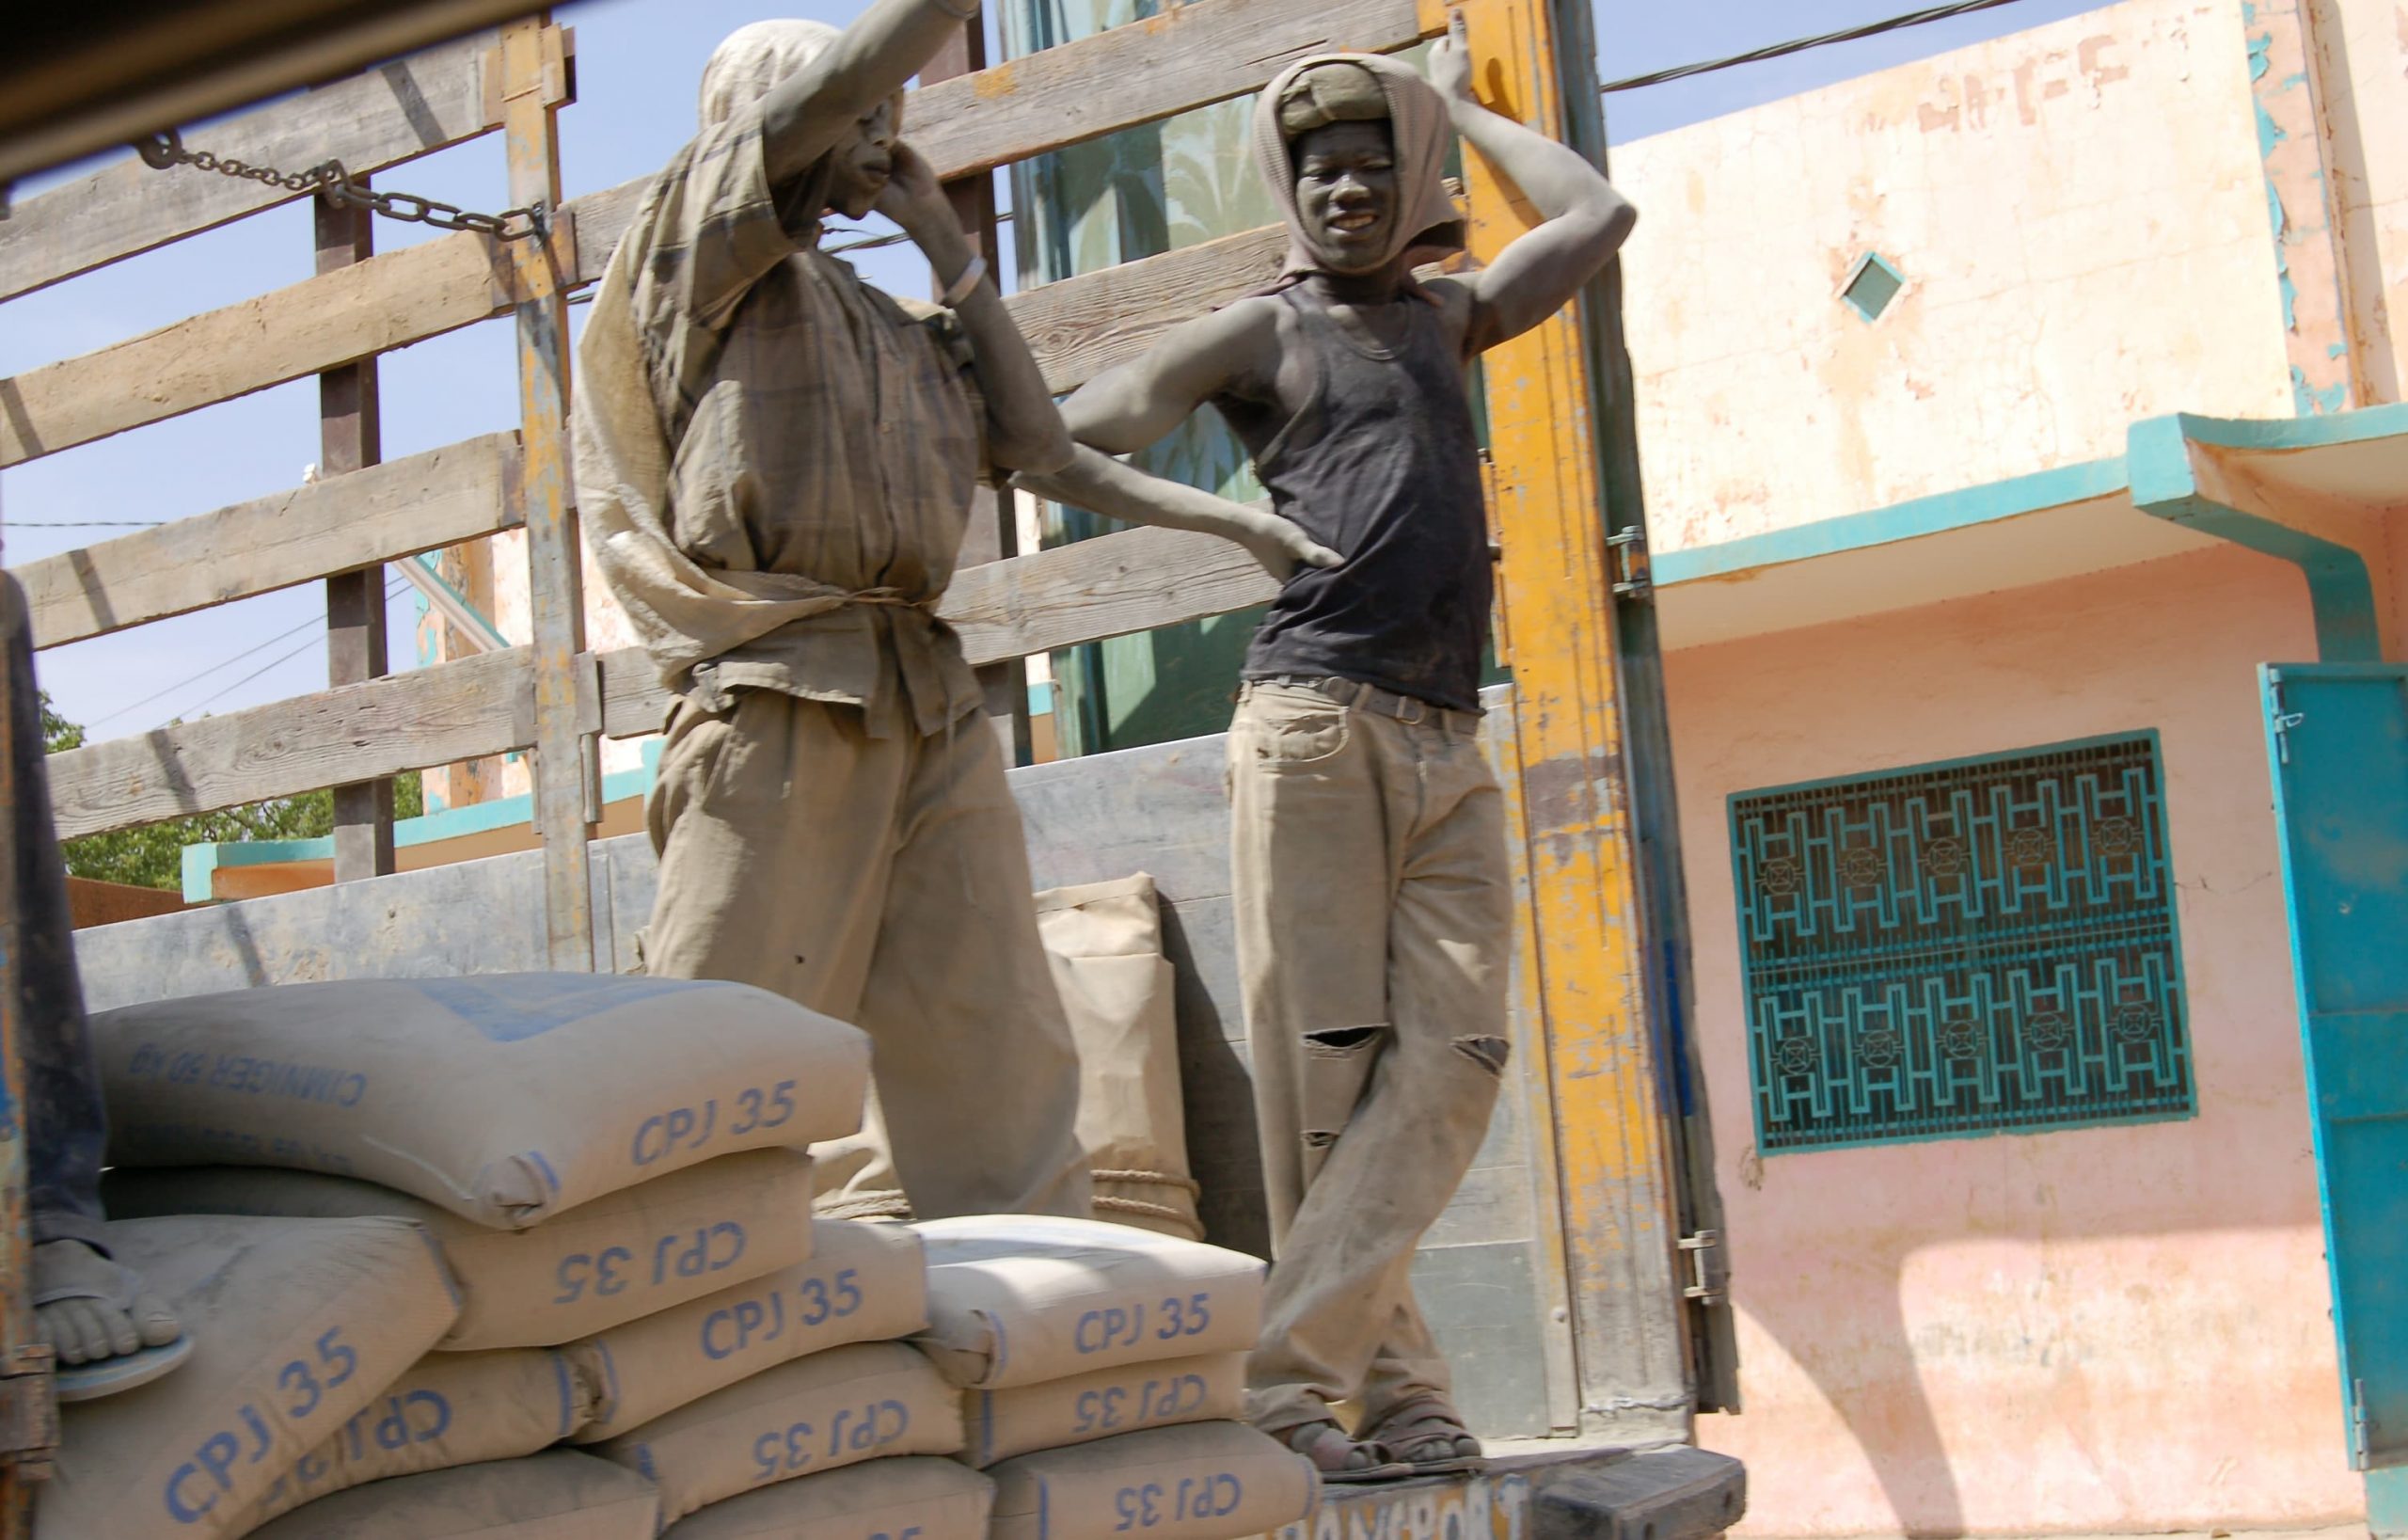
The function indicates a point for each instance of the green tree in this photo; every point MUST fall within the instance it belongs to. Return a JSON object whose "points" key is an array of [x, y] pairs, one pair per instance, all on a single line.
{"points": [[153, 856]]}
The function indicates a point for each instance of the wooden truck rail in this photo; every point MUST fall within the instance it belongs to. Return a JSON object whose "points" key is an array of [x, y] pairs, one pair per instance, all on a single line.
{"points": [[1609, 1241]]}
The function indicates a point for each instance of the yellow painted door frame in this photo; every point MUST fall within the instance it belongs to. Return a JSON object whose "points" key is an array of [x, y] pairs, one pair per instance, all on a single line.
{"points": [[1629, 1191]]}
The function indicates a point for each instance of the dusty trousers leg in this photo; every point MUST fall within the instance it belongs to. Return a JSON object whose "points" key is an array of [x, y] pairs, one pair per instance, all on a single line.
{"points": [[65, 1127], [775, 822], [977, 1074], [1377, 847]]}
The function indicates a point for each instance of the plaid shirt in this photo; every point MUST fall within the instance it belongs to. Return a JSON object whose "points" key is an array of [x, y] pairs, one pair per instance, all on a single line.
{"points": [[820, 429]]}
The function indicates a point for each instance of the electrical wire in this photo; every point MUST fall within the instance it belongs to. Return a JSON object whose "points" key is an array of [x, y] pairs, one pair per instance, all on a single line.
{"points": [[391, 591], [86, 523], [1799, 45]]}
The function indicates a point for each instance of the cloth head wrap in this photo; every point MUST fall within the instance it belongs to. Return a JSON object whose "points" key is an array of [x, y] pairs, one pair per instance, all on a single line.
{"points": [[750, 61], [1309, 94]]}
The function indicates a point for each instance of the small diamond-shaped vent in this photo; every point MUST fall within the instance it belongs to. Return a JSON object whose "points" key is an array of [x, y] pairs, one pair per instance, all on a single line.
{"points": [[1871, 285]]}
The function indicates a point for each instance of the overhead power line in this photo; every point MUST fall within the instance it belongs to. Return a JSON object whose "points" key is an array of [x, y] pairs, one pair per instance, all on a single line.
{"points": [[1799, 45], [313, 623]]}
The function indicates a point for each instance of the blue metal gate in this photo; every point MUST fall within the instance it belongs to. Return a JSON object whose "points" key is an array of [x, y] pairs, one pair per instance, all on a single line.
{"points": [[2337, 734]]}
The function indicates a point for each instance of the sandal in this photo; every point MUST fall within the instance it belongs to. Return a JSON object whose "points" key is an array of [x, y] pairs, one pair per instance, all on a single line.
{"points": [[1430, 1440], [119, 1289], [1340, 1459]]}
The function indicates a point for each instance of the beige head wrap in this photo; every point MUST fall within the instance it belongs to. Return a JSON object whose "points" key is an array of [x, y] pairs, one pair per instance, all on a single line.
{"points": [[1308, 95], [681, 612]]}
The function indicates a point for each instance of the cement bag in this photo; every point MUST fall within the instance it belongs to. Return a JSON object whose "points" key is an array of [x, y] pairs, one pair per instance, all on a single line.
{"points": [[866, 1402], [558, 1495], [882, 1499], [504, 1098], [453, 1410], [586, 1269], [1213, 1481], [1000, 1424], [864, 1283], [297, 1325], [1020, 1301], [1104, 942]]}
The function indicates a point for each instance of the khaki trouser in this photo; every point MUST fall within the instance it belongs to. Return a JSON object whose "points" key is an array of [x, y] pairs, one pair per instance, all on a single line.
{"points": [[1374, 918], [883, 881]]}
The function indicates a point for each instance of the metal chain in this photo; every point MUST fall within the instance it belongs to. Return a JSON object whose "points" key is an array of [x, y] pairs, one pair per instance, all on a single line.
{"points": [[332, 183]]}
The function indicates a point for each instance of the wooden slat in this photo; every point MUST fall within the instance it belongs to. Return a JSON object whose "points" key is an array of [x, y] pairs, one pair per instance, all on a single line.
{"points": [[1187, 56], [377, 514], [358, 732], [1083, 326], [383, 303], [386, 115], [1131, 580]]}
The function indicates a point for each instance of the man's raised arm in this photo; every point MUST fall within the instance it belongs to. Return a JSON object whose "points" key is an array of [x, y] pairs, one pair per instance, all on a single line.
{"points": [[805, 115]]}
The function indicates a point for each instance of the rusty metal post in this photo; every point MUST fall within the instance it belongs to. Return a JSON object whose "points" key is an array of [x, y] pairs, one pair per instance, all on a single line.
{"points": [[28, 1413], [350, 438], [991, 535], [568, 689]]}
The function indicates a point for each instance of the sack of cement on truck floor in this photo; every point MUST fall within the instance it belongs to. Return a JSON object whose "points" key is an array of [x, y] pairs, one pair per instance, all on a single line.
{"points": [[453, 1410], [1002, 1424], [1103, 941], [297, 1325], [583, 1270], [558, 1495], [871, 1401], [917, 1497], [864, 1283], [1020, 1301], [1211, 1480], [505, 1099]]}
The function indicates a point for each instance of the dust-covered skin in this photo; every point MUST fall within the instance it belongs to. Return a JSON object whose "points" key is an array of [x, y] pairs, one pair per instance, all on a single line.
{"points": [[94, 1325]]}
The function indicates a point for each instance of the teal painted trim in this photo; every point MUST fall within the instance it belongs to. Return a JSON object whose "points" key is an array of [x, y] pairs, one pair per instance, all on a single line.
{"points": [[1872, 260], [1935, 515], [2387, 1504], [426, 565], [2341, 593], [2281, 433], [201, 862]]}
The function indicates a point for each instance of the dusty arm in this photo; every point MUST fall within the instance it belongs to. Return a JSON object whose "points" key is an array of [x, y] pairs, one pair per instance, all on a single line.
{"points": [[1124, 409], [805, 115], [1587, 221]]}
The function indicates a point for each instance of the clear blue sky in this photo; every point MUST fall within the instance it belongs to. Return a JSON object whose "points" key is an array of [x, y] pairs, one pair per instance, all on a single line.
{"points": [[637, 63]]}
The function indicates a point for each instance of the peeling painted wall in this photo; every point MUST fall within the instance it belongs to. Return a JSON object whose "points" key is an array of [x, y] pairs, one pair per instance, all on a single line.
{"points": [[2092, 1331], [2080, 211], [2362, 80]]}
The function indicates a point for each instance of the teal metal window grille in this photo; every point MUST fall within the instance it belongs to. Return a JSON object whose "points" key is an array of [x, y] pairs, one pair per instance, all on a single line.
{"points": [[1871, 284], [1980, 946]]}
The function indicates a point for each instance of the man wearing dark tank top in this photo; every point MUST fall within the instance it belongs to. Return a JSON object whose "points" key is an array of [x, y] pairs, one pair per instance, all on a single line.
{"points": [[1373, 906]]}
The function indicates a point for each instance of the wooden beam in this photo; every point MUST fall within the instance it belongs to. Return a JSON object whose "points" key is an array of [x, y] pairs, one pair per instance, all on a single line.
{"points": [[400, 297], [1185, 57], [357, 733], [1114, 585], [568, 766], [389, 115], [1083, 326], [351, 437], [376, 515]]}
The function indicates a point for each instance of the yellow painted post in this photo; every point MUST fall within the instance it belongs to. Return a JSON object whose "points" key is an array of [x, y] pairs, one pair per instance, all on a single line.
{"points": [[567, 704], [1582, 941]]}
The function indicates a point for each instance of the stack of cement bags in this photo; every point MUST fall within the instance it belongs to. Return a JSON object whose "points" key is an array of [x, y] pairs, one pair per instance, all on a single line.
{"points": [[588, 1156], [1104, 1371]]}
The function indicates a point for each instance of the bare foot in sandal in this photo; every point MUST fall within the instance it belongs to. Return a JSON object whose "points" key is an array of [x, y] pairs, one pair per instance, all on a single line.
{"points": [[1340, 1458], [110, 1332], [1430, 1439]]}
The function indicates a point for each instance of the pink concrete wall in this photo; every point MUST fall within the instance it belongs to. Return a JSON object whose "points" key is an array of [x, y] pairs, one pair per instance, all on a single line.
{"points": [[2102, 1329]]}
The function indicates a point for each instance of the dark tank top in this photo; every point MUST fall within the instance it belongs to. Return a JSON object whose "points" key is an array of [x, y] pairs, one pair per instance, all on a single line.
{"points": [[1382, 466]]}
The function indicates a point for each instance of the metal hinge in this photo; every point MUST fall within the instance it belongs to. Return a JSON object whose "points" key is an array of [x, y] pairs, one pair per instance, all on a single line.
{"points": [[2357, 1424], [29, 1414], [1701, 1287], [2279, 721], [1628, 550]]}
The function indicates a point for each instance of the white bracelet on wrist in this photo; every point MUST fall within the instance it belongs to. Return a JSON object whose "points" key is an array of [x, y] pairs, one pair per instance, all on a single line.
{"points": [[966, 285]]}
